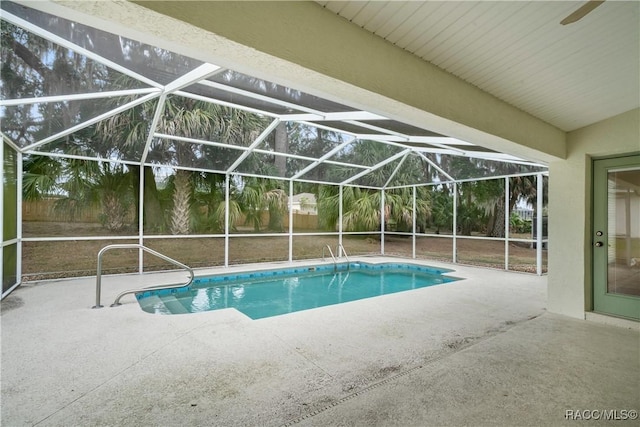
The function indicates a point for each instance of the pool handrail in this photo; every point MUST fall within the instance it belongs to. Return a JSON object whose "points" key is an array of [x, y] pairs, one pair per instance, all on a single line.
{"points": [[335, 263], [132, 291], [344, 252]]}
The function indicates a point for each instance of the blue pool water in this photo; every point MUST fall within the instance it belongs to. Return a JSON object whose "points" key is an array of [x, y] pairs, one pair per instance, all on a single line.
{"points": [[271, 293]]}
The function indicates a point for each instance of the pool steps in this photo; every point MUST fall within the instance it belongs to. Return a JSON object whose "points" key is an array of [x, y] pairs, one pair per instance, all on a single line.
{"points": [[174, 305]]}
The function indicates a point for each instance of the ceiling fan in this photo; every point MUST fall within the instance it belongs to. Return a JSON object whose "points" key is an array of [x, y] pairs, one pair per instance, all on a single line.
{"points": [[581, 12]]}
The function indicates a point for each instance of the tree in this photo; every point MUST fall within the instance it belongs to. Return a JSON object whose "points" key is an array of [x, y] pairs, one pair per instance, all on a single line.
{"points": [[441, 208], [399, 207], [281, 145], [40, 176], [77, 185], [193, 119], [361, 206], [491, 197], [484, 200], [362, 212], [189, 118], [113, 189], [33, 66], [310, 141], [258, 195], [488, 197], [327, 200], [123, 136]]}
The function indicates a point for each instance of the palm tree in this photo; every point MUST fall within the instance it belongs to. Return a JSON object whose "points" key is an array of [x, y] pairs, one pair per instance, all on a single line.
{"points": [[276, 200], [521, 188], [327, 200], [184, 117], [251, 204], [40, 176], [361, 208], [281, 145], [202, 120], [399, 207], [363, 211], [76, 187], [258, 195], [235, 213], [114, 191], [188, 118]]}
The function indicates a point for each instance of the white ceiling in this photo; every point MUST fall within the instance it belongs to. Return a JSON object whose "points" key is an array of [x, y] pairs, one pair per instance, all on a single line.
{"points": [[569, 76]]}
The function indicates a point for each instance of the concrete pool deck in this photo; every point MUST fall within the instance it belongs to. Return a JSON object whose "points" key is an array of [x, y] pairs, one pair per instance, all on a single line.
{"points": [[480, 351]]}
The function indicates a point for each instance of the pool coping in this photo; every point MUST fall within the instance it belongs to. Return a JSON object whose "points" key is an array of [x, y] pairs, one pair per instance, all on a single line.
{"points": [[222, 277]]}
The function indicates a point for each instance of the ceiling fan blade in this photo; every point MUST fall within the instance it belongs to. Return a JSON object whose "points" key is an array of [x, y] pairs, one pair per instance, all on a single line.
{"points": [[581, 11]]}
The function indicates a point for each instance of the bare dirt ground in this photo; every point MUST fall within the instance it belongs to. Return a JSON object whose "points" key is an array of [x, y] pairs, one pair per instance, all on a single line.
{"points": [[55, 259]]}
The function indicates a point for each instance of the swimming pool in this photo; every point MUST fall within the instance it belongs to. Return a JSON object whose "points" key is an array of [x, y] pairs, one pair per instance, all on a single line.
{"points": [[261, 294]]}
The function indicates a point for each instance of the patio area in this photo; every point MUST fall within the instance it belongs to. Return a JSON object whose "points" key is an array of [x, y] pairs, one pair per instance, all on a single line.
{"points": [[480, 351]]}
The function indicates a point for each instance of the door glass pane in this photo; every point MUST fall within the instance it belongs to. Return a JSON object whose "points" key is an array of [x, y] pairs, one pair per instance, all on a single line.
{"points": [[623, 207]]}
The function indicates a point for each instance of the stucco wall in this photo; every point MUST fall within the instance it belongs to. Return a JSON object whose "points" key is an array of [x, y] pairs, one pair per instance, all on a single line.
{"points": [[570, 208]]}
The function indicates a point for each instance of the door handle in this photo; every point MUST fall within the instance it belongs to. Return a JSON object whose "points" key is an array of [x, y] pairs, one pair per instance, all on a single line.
{"points": [[598, 244]]}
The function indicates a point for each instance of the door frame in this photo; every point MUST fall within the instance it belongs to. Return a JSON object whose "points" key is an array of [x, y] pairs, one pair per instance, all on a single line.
{"points": [[620, 305]]}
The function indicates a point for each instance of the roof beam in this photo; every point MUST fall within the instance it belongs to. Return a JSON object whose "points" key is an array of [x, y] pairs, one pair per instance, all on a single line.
{"points": [[257, 38], [323, 158], [254, 144], [200, 73], [88, 123], [76, 97], [395, 171], [376, 166]]}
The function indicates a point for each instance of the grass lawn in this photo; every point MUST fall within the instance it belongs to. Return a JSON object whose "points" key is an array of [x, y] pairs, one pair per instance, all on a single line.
{"points": [[55, 259]]}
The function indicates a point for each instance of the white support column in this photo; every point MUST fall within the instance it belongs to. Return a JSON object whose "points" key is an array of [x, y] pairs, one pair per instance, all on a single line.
{"points": [[340, 215], [382, 222], [455, 222], [141, 219], [147, 146], [539, 198], [291, 221], [413, 235], [506, 223], [226, 219]]}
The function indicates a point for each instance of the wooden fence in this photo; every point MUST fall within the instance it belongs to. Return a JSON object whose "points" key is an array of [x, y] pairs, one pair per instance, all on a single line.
{"points": [[44, 210]]}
